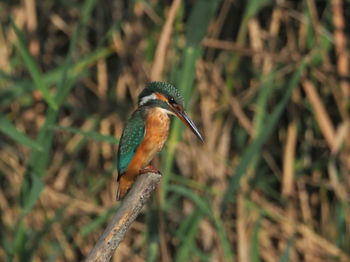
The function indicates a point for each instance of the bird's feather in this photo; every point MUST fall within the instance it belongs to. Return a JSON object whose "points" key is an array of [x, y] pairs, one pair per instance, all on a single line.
{"points": [[132, 137]]}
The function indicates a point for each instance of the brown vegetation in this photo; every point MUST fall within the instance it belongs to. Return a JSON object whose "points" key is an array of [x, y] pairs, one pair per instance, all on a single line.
{"points": [[267, 82]]}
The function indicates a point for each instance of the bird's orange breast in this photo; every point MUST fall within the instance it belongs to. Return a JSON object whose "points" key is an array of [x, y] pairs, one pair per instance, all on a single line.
{"points": [[156, 132]]}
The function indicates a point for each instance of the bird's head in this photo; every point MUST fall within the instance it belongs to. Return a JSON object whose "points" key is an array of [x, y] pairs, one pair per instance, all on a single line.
{"points": [[167, 97]]}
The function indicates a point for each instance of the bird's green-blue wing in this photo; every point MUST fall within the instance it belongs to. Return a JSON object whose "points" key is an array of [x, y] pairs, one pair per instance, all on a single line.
{"points": [[132, 137]]}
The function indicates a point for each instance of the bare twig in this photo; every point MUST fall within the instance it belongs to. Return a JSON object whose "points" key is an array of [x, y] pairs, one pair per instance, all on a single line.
{"points": [[125, 215]]}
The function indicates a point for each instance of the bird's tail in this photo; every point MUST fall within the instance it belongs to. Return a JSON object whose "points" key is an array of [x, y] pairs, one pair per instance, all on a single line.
{"points": [[117, 196], [123, 187]]}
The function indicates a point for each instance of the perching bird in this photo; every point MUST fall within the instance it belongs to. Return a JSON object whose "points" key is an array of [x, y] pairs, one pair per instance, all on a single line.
{"points": [[146, 132]]}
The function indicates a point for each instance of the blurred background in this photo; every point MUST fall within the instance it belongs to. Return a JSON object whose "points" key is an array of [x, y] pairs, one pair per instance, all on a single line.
{"points": [[266, 82]]}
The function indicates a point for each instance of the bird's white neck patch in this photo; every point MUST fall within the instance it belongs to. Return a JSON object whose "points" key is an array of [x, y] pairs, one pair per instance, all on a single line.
{"points": [[153, 96], [145, 99], [164, 111]]}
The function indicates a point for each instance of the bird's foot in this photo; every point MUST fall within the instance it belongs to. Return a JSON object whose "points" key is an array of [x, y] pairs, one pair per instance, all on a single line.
{"points": [[149, 169]]}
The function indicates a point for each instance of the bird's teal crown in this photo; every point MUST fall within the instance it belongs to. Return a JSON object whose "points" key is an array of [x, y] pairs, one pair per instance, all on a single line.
{"points": [[166, 89]]}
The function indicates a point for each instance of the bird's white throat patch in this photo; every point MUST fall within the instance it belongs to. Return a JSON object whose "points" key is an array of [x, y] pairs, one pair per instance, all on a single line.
{"points": [[164, 111], [145, 99]]}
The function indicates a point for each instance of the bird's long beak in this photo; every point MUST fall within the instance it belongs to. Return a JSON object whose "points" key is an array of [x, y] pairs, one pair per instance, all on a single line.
{"points": [[188, 122]]}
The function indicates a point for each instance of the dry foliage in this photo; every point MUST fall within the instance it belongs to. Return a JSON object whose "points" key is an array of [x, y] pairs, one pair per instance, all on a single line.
{"points": [[278, 164]]}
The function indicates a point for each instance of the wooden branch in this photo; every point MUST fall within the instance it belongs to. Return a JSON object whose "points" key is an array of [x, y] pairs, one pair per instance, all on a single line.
{"points": [[125, 215]]}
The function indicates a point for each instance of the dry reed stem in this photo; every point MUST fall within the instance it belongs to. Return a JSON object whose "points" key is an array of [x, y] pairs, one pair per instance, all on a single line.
{"points": [[282, 56], [32, 24], [54, 199], [274, 29], [230, 46], [340, 46], [164, 39], [67, 181], [306, 210], [241, 116], [257, 43], [4, 51], [288, 160], [242, 235], [215, 29], [314, 238], [342, 133], [337, 186], [123, 218], [321, 114], [102, 79]]}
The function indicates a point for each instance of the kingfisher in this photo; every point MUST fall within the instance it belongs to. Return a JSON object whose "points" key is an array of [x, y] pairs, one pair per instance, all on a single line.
{"points": [[147, 130]]}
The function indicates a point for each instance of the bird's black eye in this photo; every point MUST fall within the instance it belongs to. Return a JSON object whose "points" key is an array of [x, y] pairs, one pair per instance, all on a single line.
{"points": [[172, 101]]}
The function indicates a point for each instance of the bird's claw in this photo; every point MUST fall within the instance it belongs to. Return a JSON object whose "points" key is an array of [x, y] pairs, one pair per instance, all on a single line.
{"points": [[149, 169]]}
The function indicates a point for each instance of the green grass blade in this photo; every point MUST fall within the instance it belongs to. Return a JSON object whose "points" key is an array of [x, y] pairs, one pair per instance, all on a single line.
{"points": [[254, 6], [11, 131], [18, 245], [201, 255], [38, 162], [183, 253], [205, 209], [89, 134], [33, 68], [200, 17], [262, 102], [183, 226], [65, 85], [199, 20], [251, 10], [35, 188], [36, 237], [153, 248], [255, 147], [285, 254], [224, 240], [19, 88], [200, 202], [151, 239], [255, 242], [96, 223]]}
